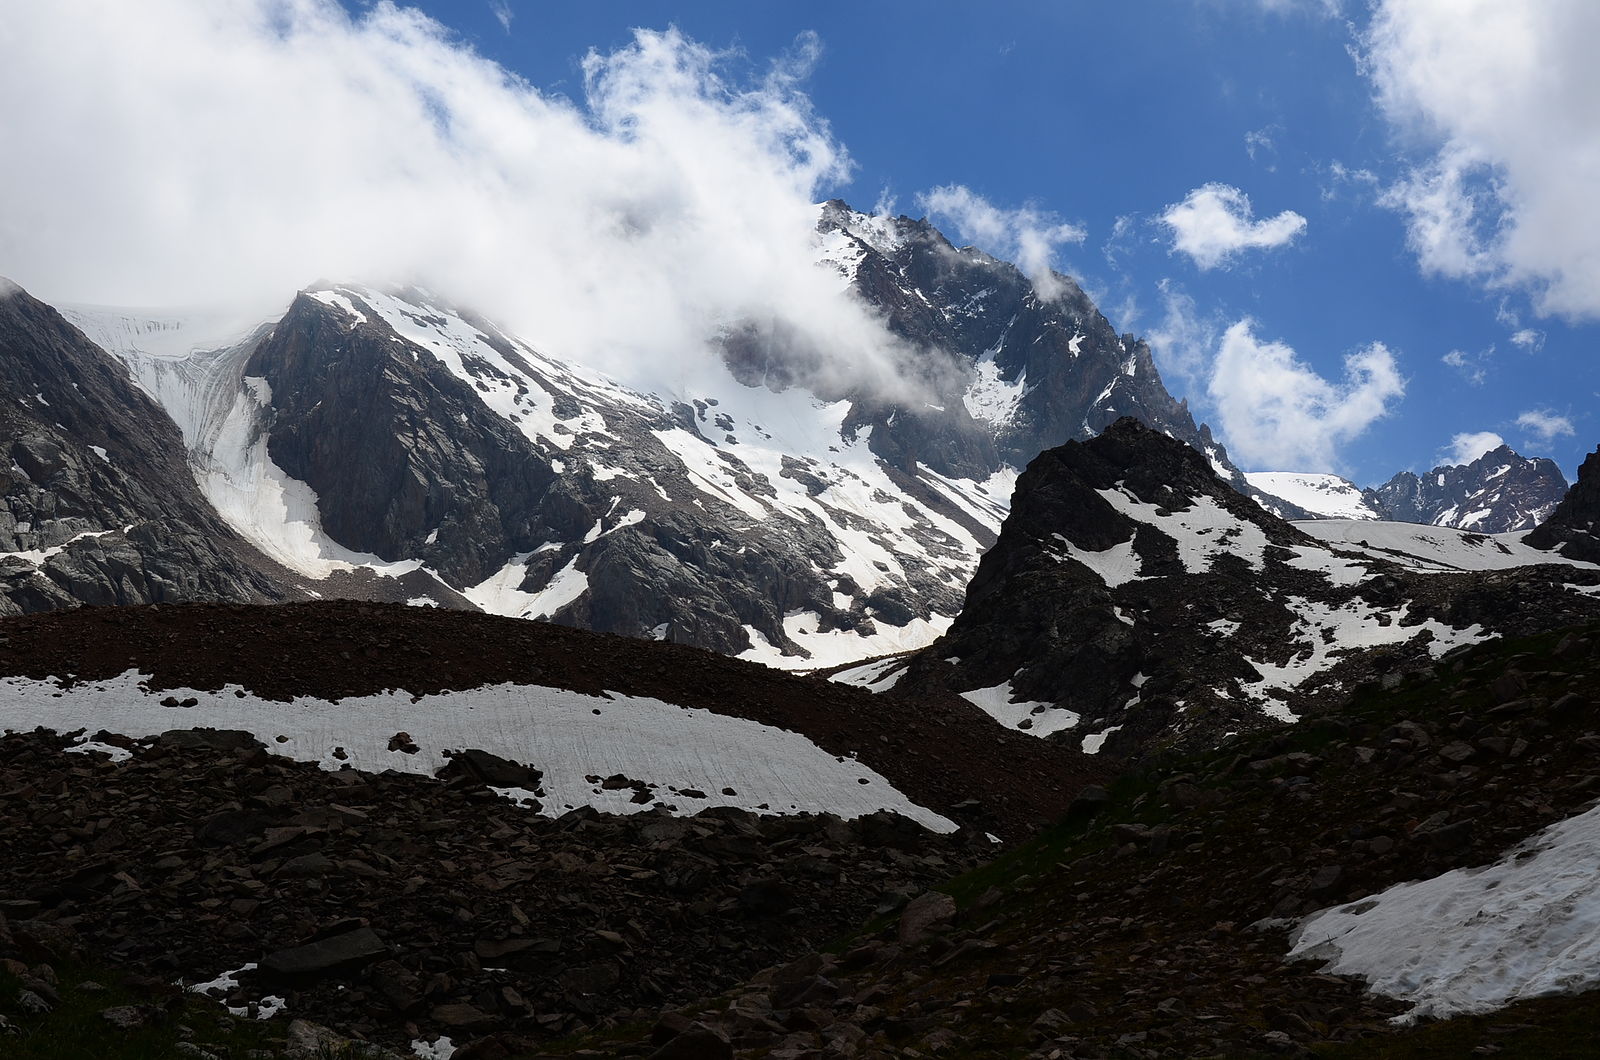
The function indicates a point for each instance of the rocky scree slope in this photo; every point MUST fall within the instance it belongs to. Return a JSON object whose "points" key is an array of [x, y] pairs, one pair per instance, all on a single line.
{"points": [[1134, 599], [99, 504], [397, 908], [1154, 920]]}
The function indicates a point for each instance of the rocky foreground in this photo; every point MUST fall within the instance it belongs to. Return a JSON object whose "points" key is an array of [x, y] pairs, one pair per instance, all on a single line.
{"points": [[1150, 921], [399, 908]]}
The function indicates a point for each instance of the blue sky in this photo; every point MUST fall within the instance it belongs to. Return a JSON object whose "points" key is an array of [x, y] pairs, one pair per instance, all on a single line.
{"points": [[1105, 112], [1360, 234]]}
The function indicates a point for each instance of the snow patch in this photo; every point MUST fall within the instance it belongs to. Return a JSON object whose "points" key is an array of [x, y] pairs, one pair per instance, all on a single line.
{"points": [[998, 704], [1475, 940], [568, 735]]}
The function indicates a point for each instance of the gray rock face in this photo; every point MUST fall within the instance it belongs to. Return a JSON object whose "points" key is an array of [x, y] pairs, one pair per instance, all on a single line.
{"points": [[1034, 370], [342, 952], [1498, 493], [99, 504]]}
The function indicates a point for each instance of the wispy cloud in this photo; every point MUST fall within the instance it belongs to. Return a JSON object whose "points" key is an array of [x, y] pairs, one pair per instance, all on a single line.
{"points": [[502, 12], [1214, 223], [1544, 426], [1474, 367], [1529, 339], [1027, 235]]}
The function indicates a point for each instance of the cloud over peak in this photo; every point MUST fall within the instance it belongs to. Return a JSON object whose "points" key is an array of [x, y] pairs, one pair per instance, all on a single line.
{"points": [[235, 151], [1214, 223], [1025, 235]]}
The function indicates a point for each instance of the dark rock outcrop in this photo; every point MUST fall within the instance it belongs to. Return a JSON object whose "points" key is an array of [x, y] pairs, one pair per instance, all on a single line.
{"points": [[1134, 589], [1573, 529]]}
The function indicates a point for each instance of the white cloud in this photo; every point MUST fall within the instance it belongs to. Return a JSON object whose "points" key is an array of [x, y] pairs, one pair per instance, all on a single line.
{"points": [[1277, 413], [1545, 426], [1474, 367], [237, 150], [1025, 235], [1465, 448], [1213, 223], [1501, 97], [1529, 339], [502, 12]]}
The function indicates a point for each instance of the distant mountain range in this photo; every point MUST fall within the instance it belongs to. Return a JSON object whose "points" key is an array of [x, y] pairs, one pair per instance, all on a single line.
{"points": [[1497, 493], [385, 444]]}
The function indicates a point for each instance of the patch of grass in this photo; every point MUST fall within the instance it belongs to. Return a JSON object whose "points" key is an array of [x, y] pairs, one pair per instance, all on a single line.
{"points": [[1560, 1028], [74, 1029]]}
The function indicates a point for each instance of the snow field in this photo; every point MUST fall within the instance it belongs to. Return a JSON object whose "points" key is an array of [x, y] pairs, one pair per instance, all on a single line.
{"points": [[1475, 940], [1432, 549], [1324, 495], [567, 735]]}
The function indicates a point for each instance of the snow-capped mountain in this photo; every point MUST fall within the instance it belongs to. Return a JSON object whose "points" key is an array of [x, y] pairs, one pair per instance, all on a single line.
{"points": [[1133, 599], [1318, 496], [1495, 494], [385, 443]]}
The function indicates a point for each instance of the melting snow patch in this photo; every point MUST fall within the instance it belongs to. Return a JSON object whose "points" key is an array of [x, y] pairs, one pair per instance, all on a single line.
{"points": [[878, 676], [568, 735], [1203, 531], [1096, 740], [997, 703], [266, 1008], [112, 751], [1475, 940], [1324, 634], [1115, 566], [442, 1049]]}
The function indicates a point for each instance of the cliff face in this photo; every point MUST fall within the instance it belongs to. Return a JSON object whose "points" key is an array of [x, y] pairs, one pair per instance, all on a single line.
{"points": [[99, 503]]}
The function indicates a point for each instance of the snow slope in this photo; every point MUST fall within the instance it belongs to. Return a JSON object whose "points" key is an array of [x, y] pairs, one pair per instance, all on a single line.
{"points": [[569, 735], [1433, 548], [1328, 496], [1474, 940]]}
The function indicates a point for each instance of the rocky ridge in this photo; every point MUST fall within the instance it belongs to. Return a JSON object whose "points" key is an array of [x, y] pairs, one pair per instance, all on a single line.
{"points": [[1499, 492], [1573, 529], [1134, 599]]}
